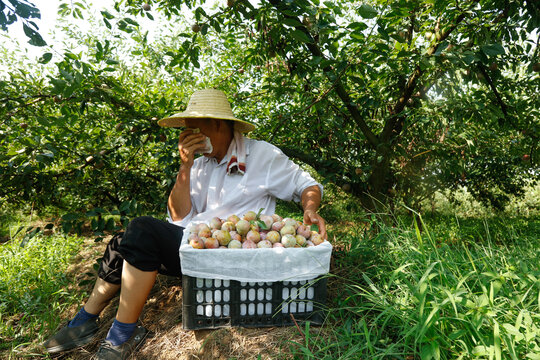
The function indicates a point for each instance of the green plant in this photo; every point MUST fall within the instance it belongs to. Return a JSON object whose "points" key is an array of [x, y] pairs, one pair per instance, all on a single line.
{"points": [[34, 286], [423, 295]]}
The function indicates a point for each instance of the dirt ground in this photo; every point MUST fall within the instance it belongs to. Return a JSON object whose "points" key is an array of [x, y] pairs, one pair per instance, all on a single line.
{"points": [[162, 315]]}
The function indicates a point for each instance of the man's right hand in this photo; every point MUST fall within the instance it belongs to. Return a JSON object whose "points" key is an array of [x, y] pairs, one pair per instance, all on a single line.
{"points": [[188, 144]]}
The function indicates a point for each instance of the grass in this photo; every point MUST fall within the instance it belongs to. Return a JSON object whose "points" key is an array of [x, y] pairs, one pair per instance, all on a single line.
{"points": [[34, 287], [466, 290], [453, 288]]}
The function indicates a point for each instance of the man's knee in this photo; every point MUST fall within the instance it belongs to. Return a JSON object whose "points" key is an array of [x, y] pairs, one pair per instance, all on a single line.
{"points": [[141, 223]]}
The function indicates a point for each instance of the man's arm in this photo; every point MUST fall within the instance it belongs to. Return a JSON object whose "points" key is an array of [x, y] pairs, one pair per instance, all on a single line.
{"points": [[179, 202], [311, 200]]}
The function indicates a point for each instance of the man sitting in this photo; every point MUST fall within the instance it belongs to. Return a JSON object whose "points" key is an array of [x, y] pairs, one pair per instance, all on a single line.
{"points": [[235, 175]]}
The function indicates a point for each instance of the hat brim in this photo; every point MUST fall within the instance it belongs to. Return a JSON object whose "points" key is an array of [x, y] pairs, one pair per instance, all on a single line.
{"points": [[178, 120]]}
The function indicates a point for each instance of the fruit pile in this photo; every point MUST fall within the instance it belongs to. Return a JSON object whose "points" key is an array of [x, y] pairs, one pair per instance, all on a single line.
{"points": [[251, 232]]}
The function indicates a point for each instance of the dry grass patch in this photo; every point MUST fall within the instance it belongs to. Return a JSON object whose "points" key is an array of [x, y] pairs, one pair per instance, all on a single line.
{"points": [[162, 315]]}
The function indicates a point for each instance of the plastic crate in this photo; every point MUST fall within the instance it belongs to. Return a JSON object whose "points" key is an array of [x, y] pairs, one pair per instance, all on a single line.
{"points": [[213, 303]]}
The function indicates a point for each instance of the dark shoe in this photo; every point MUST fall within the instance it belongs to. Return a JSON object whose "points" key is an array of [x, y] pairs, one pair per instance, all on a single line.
{"points": [[109, 352], [72, 337]]}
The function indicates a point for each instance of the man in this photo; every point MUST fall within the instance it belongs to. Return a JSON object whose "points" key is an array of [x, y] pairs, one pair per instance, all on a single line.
{"points": [[235, 175]]}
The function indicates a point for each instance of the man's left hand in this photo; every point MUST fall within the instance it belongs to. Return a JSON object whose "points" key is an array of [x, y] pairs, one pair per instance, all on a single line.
{"points": [[312, 218]]}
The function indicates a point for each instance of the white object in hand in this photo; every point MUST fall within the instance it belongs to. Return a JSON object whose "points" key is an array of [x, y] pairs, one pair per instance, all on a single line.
{"points": [[208, 144]]}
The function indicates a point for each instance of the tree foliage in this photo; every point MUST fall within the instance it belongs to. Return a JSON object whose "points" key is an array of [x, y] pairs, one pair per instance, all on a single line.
{"points": [[14, 10], [388, 99]]}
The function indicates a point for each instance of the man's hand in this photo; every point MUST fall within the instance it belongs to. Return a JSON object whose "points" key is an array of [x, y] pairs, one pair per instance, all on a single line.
{"points": [[188, 144], [179, 202], [311, 199], [312, 218]]}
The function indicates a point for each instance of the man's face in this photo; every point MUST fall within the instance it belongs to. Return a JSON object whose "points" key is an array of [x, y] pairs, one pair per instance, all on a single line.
{"points": [[207, 126]]}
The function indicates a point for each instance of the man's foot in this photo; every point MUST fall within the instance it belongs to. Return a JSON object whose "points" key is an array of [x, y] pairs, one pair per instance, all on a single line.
{"points": [[107, 351], [72, 337]]}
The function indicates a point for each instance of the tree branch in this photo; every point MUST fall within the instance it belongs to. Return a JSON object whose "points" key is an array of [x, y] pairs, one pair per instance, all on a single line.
{"points": [[408, 90], [494, 89], [328, 71]]}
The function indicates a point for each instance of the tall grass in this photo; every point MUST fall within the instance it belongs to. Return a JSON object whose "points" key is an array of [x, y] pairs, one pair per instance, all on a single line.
{"points": [[33, 287], [410, 294]]}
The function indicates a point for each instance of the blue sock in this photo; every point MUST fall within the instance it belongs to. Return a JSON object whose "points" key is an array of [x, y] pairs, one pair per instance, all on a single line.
{"points": [[120, 332], [81, 317]]}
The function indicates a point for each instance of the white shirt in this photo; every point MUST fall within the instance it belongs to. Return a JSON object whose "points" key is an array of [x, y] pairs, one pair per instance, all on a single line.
{"points": [[269, 175]]}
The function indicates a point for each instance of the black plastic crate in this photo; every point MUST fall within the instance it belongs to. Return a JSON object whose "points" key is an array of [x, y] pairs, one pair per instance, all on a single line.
{"points": [[212, 303]]}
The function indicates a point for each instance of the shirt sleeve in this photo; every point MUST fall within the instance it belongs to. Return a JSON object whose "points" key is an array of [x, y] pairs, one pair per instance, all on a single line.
{"points": [[185, 221], [285, 179]]}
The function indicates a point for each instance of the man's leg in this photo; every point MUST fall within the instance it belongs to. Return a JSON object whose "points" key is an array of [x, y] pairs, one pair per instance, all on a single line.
{"points": [[83, 327], [102, 293], [149, 245], [136, 286]]}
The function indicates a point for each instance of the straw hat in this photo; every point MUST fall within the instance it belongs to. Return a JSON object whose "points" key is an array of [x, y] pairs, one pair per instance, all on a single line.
{"points": [[207, 103]]}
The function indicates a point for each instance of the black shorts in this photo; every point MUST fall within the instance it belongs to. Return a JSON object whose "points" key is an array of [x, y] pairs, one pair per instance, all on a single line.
{"points": [[148, 244]]}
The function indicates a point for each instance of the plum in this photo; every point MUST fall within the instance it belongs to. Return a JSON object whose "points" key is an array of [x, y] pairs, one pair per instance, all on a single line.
{"points": [[228, 226], [233, 218], [196, 242], [204, 231], [210, 243], [300, 240], [253, 236], [273, 237], [264, 244], [288, 240], [248, 244], [288, 229], [277, 226], [316, 239], [242, 227], [234, 244], [267, 220], [235, 236], [291, 222], [250, 216], [304, 231], [222, 236], [215, 223]]}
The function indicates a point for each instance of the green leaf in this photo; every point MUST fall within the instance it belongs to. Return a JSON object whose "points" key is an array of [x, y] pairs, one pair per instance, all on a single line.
{"points": [[481, 350], [292, 22], [35, 38], [262, 225], [131, 21], [367, 12], [357, 26], [45, 58], [70, 217], [107, 15], [300, 36], [492, 49], [314, 227], [26, 11]]}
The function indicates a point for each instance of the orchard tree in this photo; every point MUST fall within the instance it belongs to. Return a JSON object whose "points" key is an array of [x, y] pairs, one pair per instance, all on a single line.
{"points": [[389, 100]]}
